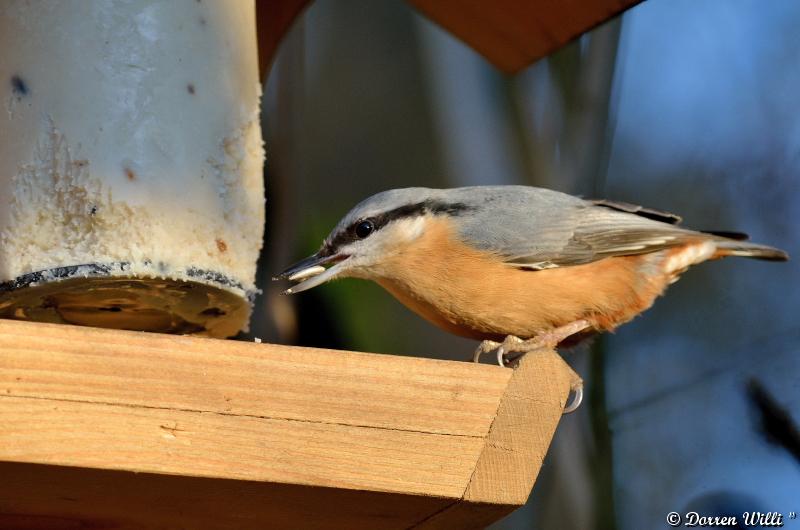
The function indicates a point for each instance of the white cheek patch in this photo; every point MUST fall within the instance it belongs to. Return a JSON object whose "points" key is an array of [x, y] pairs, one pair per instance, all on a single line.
{"points": [[411, 229]]}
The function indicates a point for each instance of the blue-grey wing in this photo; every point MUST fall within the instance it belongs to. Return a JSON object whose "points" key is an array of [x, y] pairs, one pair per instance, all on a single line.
{"points": [[538, 229]]}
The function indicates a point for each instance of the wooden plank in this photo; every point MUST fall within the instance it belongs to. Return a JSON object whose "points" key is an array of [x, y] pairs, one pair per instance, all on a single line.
{"points": [[247, 379], [516, 445], [204, 433], [512, 34], [43, 497], [520, 434], [204, 445]]}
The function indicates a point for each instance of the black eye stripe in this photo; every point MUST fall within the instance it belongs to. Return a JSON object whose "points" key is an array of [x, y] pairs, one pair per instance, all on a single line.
{"points": [[349, 235]]}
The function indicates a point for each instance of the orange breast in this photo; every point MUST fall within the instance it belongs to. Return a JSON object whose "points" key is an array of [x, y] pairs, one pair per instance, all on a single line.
{"points": [[474, 294]]}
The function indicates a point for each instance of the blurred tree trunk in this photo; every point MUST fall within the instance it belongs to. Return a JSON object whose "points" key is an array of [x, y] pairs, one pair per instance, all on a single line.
{"points": [[567, 109]]}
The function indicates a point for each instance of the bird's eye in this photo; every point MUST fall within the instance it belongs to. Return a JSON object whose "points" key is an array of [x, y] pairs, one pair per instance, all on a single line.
{"points": [[365, 228]]}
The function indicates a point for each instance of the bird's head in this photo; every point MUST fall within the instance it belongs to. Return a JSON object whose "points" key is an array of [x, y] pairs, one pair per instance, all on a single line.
{"points": [[377, 228]]}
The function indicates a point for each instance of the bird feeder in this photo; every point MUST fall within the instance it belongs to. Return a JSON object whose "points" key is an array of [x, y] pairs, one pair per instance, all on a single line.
{"points": [[115, 429]]}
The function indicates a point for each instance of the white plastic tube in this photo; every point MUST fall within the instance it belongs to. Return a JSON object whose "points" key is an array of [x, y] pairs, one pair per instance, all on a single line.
{"points": [[130, 149]]}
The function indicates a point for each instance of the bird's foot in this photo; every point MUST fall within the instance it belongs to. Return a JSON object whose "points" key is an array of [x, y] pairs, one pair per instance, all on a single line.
{"points": [[513, 348], [491, 345]]}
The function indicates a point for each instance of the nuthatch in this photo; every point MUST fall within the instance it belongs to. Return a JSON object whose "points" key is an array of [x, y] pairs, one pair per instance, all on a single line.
{"points": [[518, 267]]}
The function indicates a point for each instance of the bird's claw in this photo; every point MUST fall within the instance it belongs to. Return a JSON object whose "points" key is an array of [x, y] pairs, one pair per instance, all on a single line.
{"points": [[484, 347], [509, 345], [576, 401]]}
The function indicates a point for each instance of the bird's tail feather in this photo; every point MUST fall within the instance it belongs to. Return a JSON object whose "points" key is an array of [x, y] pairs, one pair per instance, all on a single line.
{"points": [[731, 247]]}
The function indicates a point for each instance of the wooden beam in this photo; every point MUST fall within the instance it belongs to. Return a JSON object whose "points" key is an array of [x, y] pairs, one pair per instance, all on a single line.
{"points": [[515, 447], [135, 429], [273, 20], [512, 34]]}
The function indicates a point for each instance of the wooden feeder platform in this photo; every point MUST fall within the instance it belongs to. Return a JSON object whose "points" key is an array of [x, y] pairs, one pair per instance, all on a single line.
{"points": [[124, 430]]}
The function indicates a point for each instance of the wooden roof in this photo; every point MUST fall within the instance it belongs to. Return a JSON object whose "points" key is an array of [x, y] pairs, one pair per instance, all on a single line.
{"points": [[511, 34]]}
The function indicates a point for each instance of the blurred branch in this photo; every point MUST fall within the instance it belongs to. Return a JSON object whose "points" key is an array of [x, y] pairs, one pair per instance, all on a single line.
{"points": [[776, 423], [598, 91], [602, 463], [567, 100]]}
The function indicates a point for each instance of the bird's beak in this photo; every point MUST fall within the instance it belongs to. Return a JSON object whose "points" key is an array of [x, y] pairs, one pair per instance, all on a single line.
{"points": [[311, 270]]}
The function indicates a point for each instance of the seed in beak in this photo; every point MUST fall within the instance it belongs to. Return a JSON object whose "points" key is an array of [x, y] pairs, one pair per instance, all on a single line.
{"points": [[306, 273]]}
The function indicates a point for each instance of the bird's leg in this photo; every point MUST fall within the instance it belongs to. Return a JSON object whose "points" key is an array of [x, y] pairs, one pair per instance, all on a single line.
{"points": [[515, 345], [543, 341], [511, 350]]}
